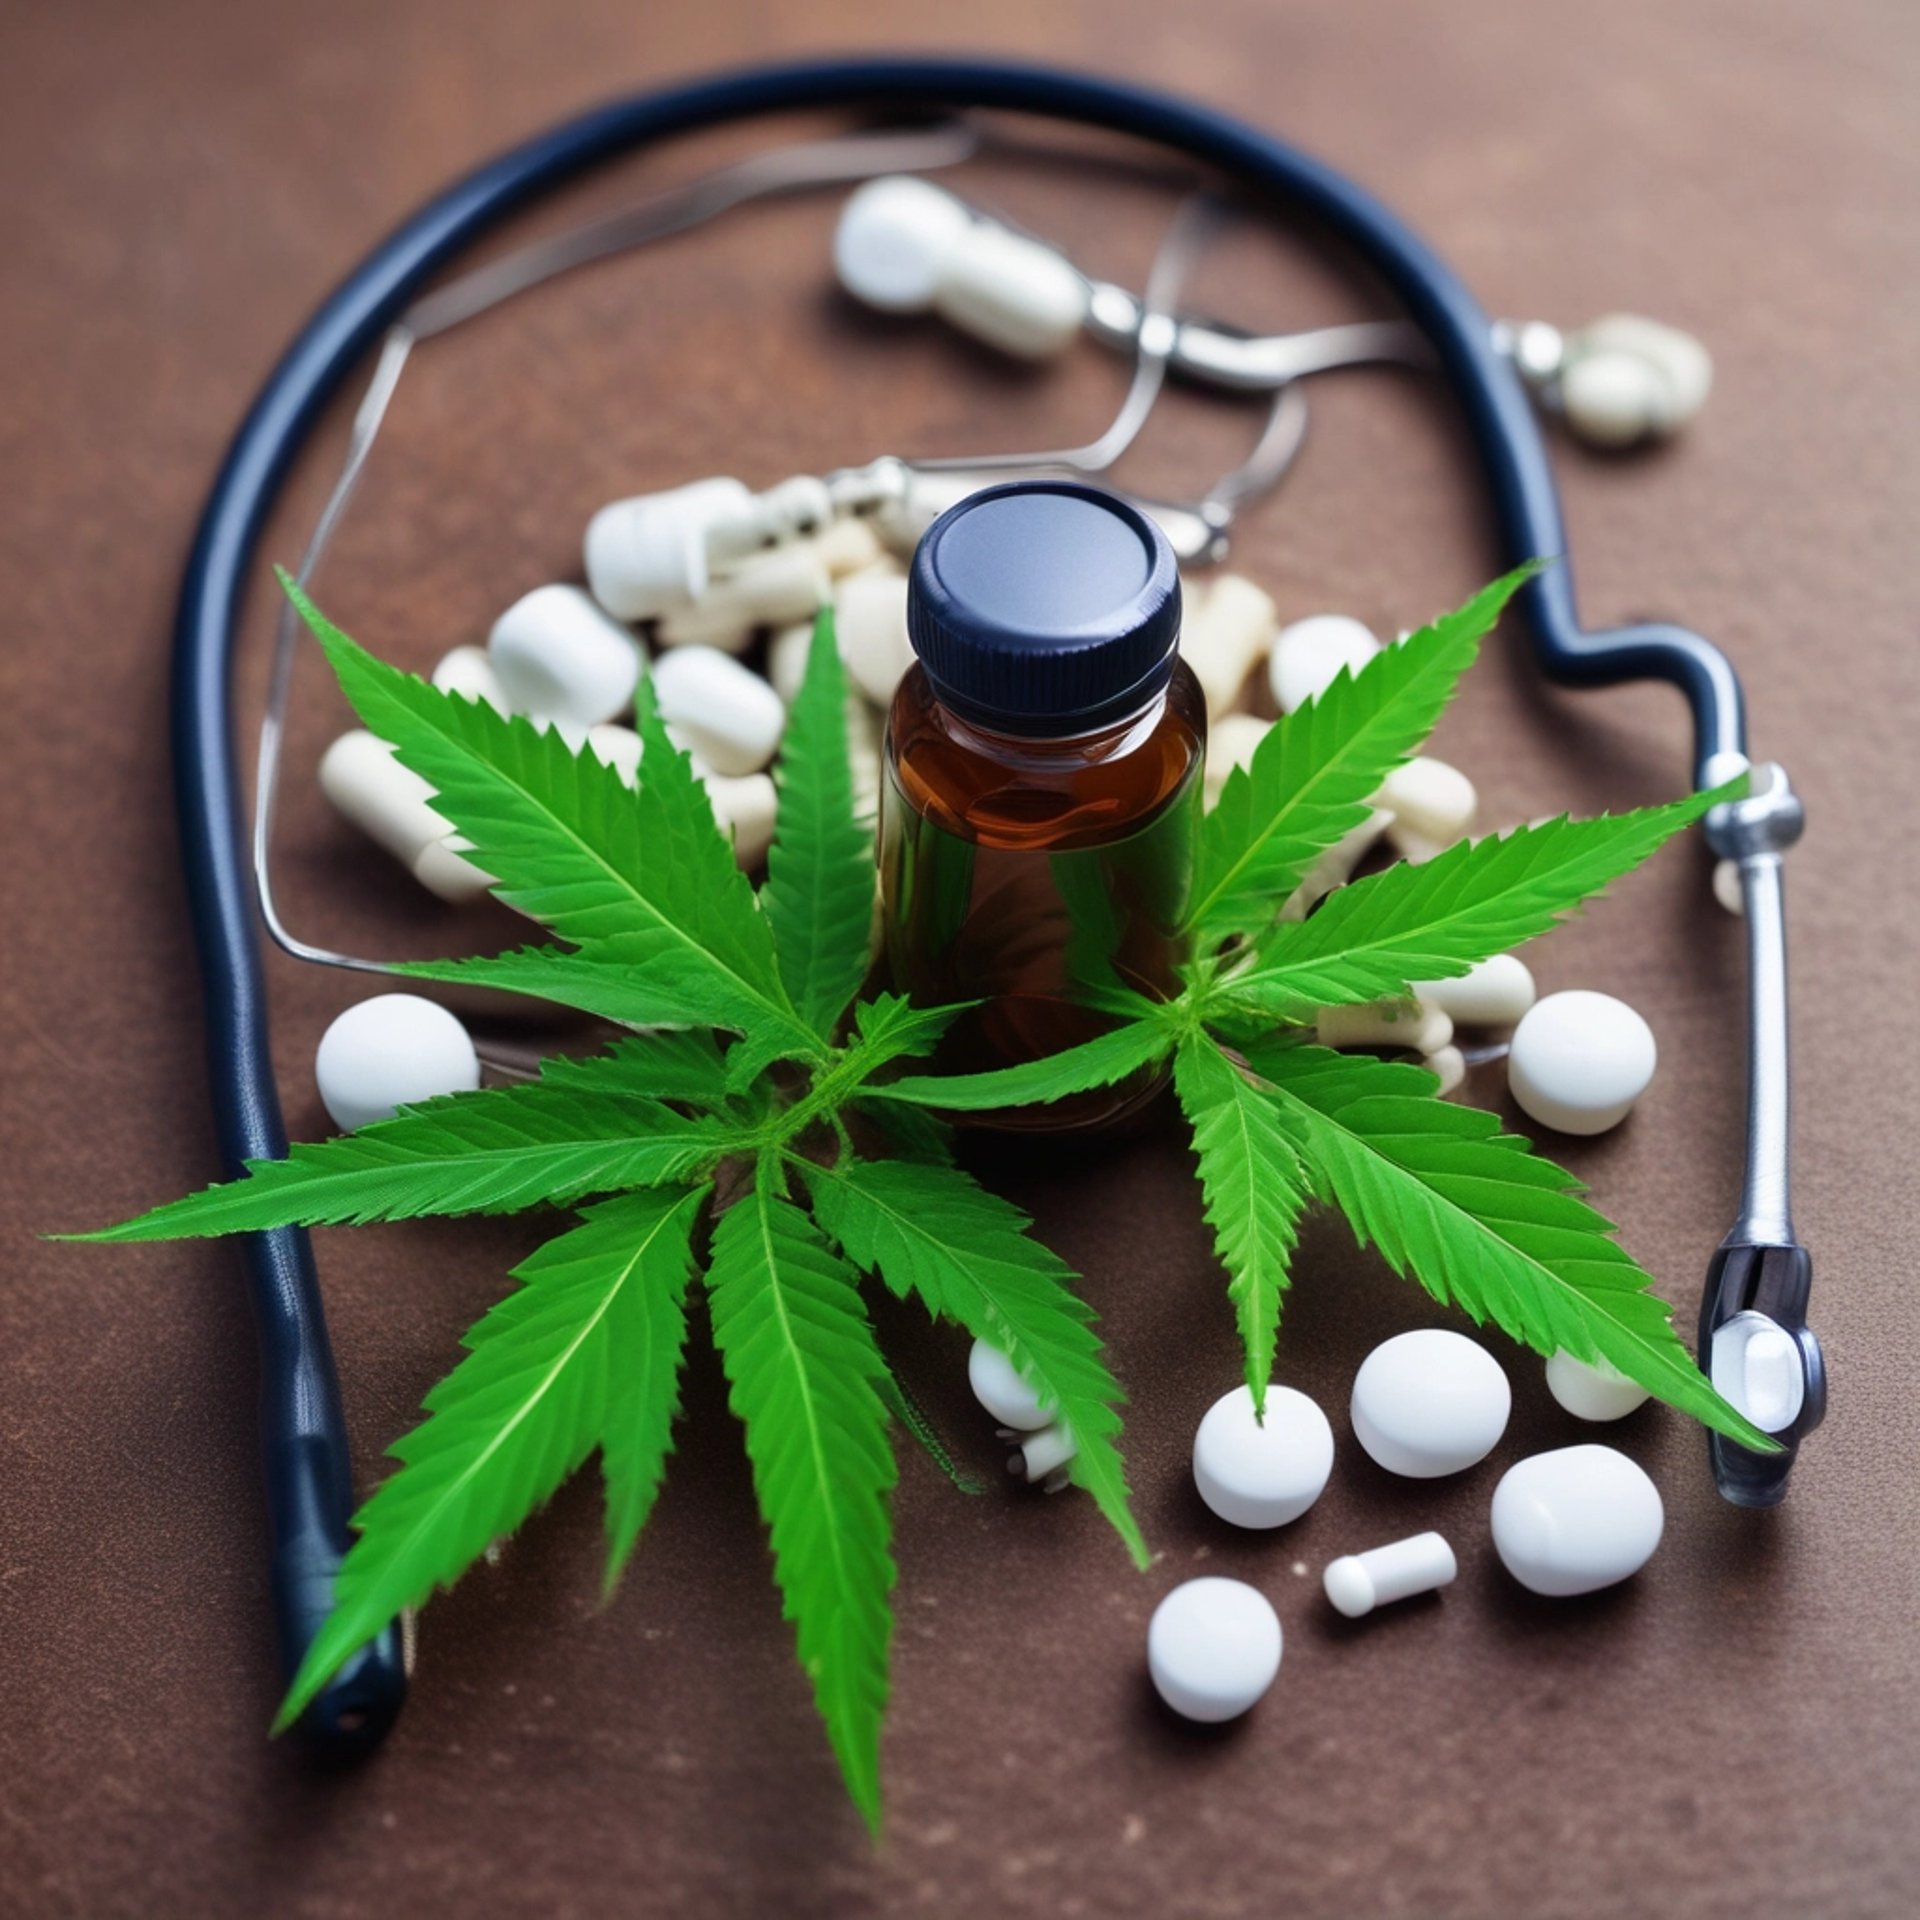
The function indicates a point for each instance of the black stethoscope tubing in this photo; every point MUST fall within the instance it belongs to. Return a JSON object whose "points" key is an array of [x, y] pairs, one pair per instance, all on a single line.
{"points": [[308, 1475]]}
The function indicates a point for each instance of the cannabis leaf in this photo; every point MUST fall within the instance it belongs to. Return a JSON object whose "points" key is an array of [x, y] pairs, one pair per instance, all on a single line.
{"points": [[1480, 1220], [1313, 777], [932, 1231], [585, 1354], [1143, 1042], [820, 869], [1434, 921], [1255, 1188], [805, 1377]]}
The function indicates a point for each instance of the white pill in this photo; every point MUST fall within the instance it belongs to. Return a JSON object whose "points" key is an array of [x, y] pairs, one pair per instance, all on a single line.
{"points": [[1226, 630], [1493, 994], [870, 623], [746, 808], [1359, 1582], [895, 235], [1262, 1474], [1231, 741], [1000, 1387], [1449, 1066], [617, 747], [393, 806], [1728, 888], [1213, 1648], [1309, 654], [847, 546], [469, 671], [795, 509], [1430, 1403], [559, 654], [1685, 364], [727, 714], [773, 589], [1614, 398], [1011, 292], [1580, 1060], [649, 553], [1592, 1389], [1575, 1520], [1385, 1023], [787, 654], [1043, 1453], [389, 1052], [1430, 801]]}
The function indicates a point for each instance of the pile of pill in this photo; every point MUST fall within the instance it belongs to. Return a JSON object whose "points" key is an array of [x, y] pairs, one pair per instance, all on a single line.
{"points": [[1425, 1405]]}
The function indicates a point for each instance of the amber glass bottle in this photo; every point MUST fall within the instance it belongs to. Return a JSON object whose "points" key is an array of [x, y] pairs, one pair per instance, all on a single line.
{"points": [[1042, 791]]}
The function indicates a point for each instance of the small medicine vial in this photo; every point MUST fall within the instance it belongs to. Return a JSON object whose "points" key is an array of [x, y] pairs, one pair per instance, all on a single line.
{"points": [[1041, 800]]}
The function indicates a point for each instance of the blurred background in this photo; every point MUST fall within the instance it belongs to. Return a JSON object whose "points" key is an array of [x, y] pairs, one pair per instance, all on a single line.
{"points": [[1735, 1734]]}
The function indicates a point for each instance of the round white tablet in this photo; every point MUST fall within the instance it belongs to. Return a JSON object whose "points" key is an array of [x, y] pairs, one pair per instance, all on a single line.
{"points": [[1593, 1390], [999, 1387], [1213, 1648], [1575, 1520], [1262, 1474], [389, 1052], [1580, 1060], [1430, 1403], [1309, 654]]}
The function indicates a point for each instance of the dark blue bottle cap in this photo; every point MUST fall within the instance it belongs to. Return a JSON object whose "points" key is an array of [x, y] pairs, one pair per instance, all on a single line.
{"points": [[1044, 607]]}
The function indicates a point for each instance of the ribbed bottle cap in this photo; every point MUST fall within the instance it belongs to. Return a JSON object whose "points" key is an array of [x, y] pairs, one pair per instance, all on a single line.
{"points": [[1044, 607]]}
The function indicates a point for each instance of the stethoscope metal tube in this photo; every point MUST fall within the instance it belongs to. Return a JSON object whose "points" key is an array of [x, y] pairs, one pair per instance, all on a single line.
{"points": [[304, 1439]]}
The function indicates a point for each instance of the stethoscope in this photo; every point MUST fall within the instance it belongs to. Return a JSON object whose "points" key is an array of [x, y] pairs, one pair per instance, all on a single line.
{"points": [[1759, 1279]]}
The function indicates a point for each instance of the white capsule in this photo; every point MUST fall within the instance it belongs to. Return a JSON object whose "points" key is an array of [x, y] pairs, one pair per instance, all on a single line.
{"points": [[1385, 1023], [1043, 1453], [1493, 994], [560, 655], [1430, 1403], [1433, 805], [1613, 399], [649, 553], [1359, 1582], [617, 747], [773, 589], [865, 733], [1683, 360], [1227, 629], [1309, 654], [870, 624], [727, 715], [1575, 1520], [1580, 1060], [468, 671], [1010, 292], [847, 546], [1257, 1473], [1449, 1066], [1727, 886], [1231, 741], [787, 654], [1213, 1648], [393, 806], [1003, 1390], [1334, 867], [746, 808], [1593, 1389], [389, 1052], [894, 238]]}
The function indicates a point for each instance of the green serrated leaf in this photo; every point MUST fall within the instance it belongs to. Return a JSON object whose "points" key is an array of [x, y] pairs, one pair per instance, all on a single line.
{"points": [[1314, 775], [560, 1365], [688, 1067], [578, 850], [806, 1381], [932, 1231], [1255, 1189], [1370, 940], [1480, 1220], [1094, 1063], [489, 1152], [820, 869]]}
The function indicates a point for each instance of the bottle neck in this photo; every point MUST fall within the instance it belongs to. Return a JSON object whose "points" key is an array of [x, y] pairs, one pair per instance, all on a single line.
{"points": [[1086, 747]]}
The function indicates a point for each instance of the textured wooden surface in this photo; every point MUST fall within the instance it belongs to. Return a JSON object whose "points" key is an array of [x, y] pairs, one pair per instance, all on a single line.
{"points": [[1734, 1733]]}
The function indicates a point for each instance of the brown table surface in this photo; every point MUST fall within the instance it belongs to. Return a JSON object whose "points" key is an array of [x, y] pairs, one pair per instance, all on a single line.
{"points": [[1732, 1733]]}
